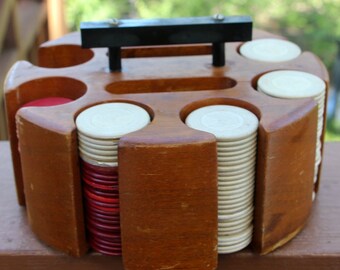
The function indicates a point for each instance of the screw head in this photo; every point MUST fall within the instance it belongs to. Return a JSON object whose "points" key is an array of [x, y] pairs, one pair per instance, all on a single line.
{"points": [[113, 22], [218, 17]]}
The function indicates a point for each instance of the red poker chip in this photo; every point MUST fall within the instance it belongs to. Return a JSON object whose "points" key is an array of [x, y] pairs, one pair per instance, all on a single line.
{"points": [[105, 251], [96, 207], [110, 208], [105, 222], [46, 102], [100, 169], [114, 237], [104, 227], [104, 217], [99, 173], [106, 242], [104, 246], [100, 198], [113, 182], [113, 195], [101, 180], [102, 204], [99, 186], [109, 219], [100, 176], [90, 208]]}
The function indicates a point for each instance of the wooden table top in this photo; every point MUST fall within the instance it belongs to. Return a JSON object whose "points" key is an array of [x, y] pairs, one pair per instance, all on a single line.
{"points": [[316, 247]]}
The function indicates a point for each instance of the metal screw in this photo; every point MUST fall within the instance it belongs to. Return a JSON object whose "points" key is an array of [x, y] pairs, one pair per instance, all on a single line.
{"points": [[218, 17], [113, 22]]}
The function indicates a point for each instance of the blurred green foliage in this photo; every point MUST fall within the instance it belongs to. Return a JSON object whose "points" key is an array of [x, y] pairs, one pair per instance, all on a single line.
{"points": [[313, 24]]}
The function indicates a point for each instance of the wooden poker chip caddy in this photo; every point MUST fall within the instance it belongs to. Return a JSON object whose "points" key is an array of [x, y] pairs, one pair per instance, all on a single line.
{"points": [[167, 171]]}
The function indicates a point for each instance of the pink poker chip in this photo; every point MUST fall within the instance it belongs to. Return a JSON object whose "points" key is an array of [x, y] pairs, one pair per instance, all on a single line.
{"points": [[46, 102]]}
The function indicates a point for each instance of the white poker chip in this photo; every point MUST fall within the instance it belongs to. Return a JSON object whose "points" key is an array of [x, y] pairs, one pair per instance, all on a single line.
{"points": [[108, 153], [112, 120], [238, 142], [249, 163], [233, 229], [101, 142], [98, 163], [270, 50], [250, 154], [234, 248], [97, 146], [235, 191], [248, 145], [226, 122], [232, 208], [224, 223], [291, 84]]}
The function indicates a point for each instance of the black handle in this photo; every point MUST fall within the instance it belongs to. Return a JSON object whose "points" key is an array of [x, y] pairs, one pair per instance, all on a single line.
{"points": [[115, 34]]}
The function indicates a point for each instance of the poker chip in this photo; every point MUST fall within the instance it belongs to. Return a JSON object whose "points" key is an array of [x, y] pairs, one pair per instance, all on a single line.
{"points": [[111, 120], [270, 50], [227, 123], [292, 84], [235, 130], [99, 130]]}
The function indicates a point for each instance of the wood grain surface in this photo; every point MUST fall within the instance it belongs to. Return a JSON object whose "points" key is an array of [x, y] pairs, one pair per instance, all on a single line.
{"points": [[316, 247]]}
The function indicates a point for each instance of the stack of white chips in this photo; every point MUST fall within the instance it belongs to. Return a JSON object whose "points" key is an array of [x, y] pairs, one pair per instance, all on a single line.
{"points": [[236, 133], [270, 50], [293, 84], [100, 128]]}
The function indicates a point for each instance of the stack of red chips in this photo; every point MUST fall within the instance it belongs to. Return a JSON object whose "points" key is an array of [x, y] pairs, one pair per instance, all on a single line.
{"points": [[102, 208]]}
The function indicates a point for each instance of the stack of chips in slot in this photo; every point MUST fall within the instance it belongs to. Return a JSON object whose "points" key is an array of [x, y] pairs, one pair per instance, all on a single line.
{"points": [[292, 84], [270, 50], [99, 129], [235, 130]]}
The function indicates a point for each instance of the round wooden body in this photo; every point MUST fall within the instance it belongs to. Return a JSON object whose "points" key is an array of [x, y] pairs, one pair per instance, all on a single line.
{"points": [[167, 171]]}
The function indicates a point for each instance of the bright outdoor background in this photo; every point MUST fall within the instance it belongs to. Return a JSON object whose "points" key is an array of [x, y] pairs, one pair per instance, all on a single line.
{"points": [[313, 24]]}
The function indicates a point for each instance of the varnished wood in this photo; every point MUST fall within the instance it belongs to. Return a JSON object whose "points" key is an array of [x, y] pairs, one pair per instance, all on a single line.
{"points": [[316, 247], [286, 136]]}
